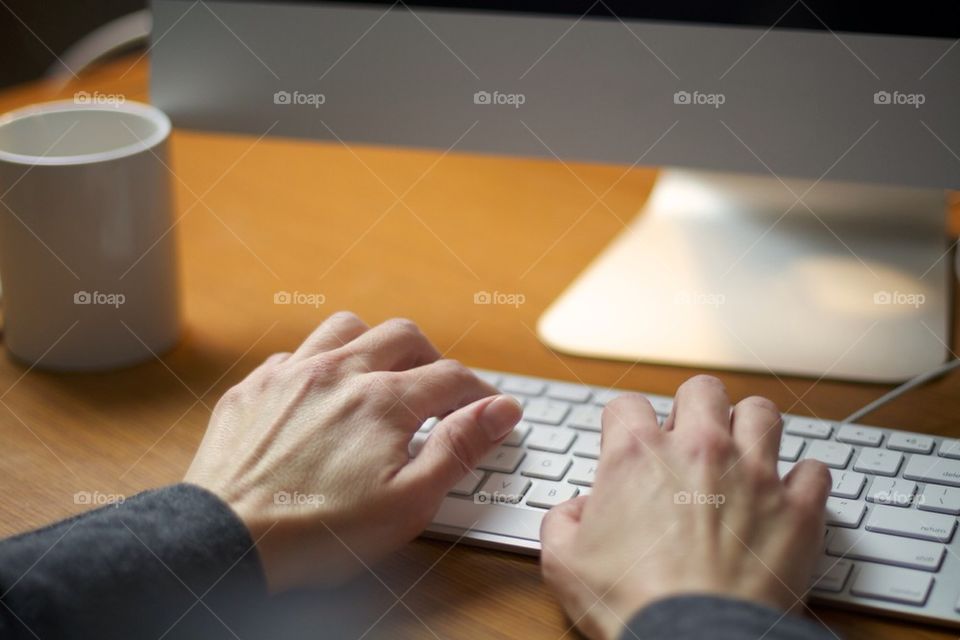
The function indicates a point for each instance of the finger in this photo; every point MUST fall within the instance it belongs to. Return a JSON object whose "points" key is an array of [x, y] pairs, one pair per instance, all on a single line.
{"points": [[458, 443], [336, 331], [700, 407], [436, 389], [808, 484], [394, 345], [627, 421], [757, 426], [559, 524]]}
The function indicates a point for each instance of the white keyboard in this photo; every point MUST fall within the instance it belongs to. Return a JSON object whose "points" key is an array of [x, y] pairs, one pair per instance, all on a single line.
{"points": [[890, 546]]}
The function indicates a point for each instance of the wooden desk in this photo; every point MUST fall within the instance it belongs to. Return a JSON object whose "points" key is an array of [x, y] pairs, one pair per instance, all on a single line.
{"points": [[277, 214]]}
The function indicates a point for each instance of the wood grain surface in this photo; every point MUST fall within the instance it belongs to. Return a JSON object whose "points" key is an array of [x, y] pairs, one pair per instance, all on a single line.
{"points": [[261, 215]]}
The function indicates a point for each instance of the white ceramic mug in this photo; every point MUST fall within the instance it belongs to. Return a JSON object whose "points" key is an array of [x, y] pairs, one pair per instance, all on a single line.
{"points": [[88, 260]]}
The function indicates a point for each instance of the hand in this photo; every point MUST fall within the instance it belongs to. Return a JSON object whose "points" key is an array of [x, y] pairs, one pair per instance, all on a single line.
{"points": [[311, 449], [694, 507]]}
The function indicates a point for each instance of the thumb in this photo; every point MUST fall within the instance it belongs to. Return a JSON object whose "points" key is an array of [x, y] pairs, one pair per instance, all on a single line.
{"points": [[556, 537], [459, 442]]}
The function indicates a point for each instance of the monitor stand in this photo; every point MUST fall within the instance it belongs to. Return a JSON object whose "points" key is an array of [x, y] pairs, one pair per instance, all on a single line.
{"points": [[724, 271]]}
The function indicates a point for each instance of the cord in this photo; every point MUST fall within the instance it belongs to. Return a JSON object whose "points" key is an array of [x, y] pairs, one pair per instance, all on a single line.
{"points": [[903, 388]]}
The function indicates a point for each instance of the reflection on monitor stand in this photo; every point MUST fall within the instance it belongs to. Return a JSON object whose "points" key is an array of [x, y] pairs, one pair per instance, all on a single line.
{"points": [[750, 272]]}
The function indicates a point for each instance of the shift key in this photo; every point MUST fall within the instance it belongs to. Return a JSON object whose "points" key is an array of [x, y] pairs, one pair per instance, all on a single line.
{"points": [[896, 585], [878, 547]]}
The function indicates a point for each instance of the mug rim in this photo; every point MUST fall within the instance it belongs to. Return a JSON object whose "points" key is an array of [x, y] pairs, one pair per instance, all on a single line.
{"points": [[146, 111]]}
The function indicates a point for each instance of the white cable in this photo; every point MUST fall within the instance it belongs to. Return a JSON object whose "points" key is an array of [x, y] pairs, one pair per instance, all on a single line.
{"points": [[903, 388]]}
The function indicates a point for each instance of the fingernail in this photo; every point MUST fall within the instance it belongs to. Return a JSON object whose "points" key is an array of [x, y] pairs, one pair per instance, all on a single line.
{"points": [[499, 417]]}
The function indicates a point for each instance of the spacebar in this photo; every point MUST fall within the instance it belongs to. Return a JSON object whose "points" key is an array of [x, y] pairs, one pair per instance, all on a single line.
{"points": [[490, 518]]}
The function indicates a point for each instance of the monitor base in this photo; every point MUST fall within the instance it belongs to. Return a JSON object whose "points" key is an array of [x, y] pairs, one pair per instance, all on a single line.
{"points": [[723, 271]]}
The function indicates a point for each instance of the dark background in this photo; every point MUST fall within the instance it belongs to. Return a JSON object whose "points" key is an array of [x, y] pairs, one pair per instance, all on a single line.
{"points": [[56, 24], [33, 31]]}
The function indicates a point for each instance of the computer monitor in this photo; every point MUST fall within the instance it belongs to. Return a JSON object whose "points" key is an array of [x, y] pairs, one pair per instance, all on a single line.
{"points": [[798, 225]]}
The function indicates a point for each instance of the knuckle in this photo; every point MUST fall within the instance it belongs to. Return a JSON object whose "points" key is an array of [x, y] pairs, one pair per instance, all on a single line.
{"points": [[346, 317], [761, 403], [403, 327], [455, 369]]}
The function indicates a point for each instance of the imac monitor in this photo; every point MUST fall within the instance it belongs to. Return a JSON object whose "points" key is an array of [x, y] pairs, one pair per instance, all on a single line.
{"points": [[798, 224]]}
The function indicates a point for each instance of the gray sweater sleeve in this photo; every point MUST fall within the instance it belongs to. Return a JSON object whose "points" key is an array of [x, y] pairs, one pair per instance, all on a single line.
{"points": [[698, 617], [175, 562]]}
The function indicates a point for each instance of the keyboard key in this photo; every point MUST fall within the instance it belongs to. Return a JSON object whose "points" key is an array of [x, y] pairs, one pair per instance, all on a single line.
{"points": [[546, 411], [846, 484], [416, 443], [891, 491], [550, 439], [587, 446], [831, 574], [790, 448], [568, 392], [895, 585], [489, 518], [910, 442], [879, 461], [832, 454], [902, 522], [501, 488], [468, 485], [845, 513], [585, 417], [878, 547], [940, 499], [523, 386], [582, 472], [949, 448], [516, 437], [428, 425], [502, 459], [933, 469], [547, 466], [853, 434], [550, 494], [585, 491], [808, 427]]}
